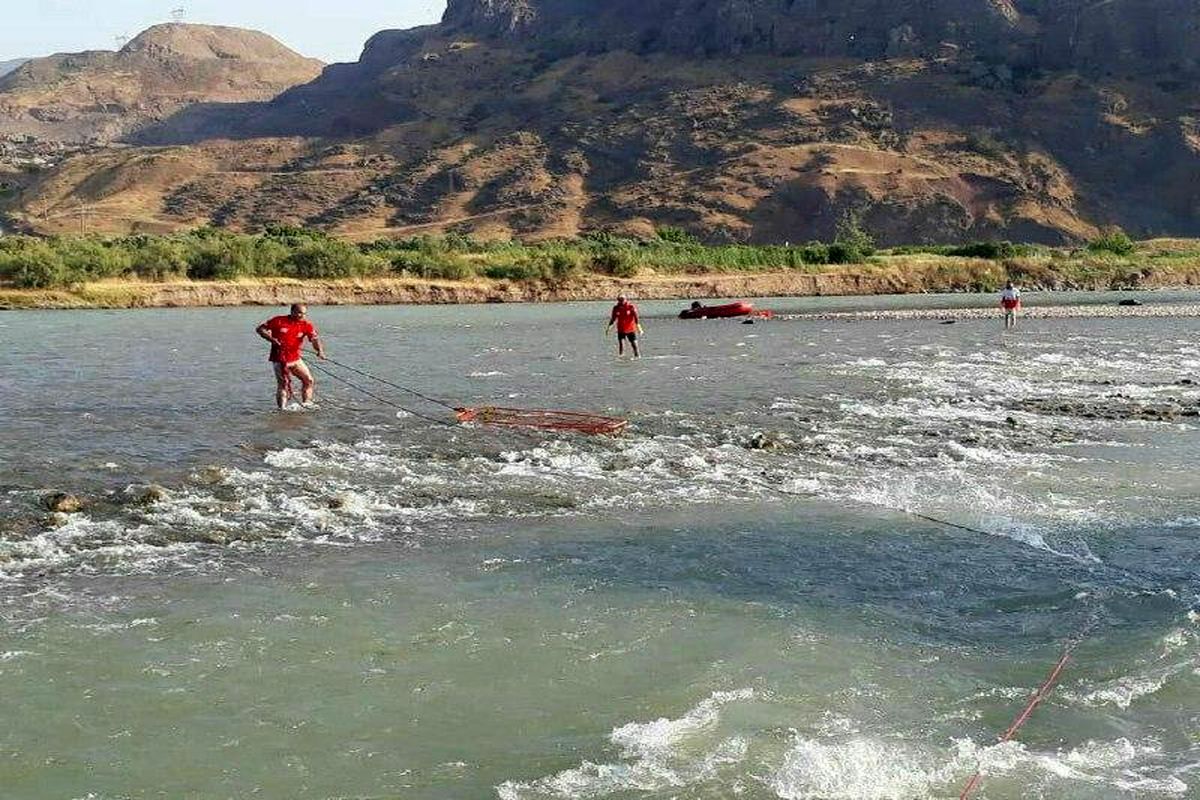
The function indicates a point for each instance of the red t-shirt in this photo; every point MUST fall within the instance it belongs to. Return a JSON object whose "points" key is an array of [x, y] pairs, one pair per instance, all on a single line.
{"points": [[290, 334], [626, 317]]}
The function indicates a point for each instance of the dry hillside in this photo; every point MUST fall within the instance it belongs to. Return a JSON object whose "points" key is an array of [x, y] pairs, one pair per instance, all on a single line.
{"points": [[103, 96], [755, 120]]}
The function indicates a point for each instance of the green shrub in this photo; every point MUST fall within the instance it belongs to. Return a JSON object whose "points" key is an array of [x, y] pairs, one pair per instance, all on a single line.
{"points": [[1113, 240], [330, 258], [222, 258], [675, 236], [853, 241], [815, 253], [621, 262], [921, 249], [159, 259], [561, 265], [524, 271], [92, 259], [845, 254], [432, 266], [35, 266]]}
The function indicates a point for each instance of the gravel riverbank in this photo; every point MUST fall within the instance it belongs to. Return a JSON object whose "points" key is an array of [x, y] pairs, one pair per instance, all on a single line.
{"points": [[1032, 312]]}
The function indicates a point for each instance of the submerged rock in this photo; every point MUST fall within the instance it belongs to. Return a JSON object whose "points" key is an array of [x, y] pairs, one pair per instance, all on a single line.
{"points": [[766, 440], [145, 495], [62, 503], [1117, 407], [1130, 303], [209, 476]]}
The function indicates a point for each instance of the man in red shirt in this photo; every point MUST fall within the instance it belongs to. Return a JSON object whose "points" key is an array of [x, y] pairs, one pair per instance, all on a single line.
{"points": [[286, 335], [629, 325]]}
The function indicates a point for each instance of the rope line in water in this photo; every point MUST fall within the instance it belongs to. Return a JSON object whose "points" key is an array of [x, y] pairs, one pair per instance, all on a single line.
{"points": [[400, 387], [392, 385], [1037, 698], [376, 397], [398, 406], [1047, 686]]}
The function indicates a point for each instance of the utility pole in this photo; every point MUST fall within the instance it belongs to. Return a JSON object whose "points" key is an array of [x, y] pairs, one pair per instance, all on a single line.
{"points": [[178, 14], [121, 41], [84, 211]]}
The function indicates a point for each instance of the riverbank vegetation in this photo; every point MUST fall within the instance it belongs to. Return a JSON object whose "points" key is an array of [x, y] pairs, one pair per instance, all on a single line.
{"points": [[1110, 261]]}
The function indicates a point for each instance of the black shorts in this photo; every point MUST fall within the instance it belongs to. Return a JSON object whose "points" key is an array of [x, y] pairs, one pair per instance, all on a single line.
{"points": [[632, 337]]}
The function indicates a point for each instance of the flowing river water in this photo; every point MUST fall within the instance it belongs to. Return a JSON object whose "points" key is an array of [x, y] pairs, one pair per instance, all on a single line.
{"points": [[742, 597]]}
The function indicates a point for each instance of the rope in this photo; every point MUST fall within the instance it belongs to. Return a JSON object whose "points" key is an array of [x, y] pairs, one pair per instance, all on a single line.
{"points": [[456, 409], [376, 397], [1047, 686], [946, 523], [524, 433], [1037, 698], [389, 384]]}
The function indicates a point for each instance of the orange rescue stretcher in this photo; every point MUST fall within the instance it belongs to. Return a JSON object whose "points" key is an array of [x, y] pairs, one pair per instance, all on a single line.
{"points": [[592, 424]]}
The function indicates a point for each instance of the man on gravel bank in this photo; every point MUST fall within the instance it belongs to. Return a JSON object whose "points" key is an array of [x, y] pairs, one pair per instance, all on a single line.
{"points": [[287, 333]]}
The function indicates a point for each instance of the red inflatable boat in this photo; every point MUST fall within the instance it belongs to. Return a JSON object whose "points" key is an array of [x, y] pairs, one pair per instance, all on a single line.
{"points": [[698, 311]]}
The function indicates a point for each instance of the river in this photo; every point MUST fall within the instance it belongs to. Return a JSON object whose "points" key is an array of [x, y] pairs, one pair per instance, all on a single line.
{"points": [[750, 594]]}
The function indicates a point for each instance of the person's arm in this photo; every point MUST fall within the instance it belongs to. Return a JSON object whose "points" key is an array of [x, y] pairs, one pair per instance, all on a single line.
{"points": [[264, 331], [637, 320], [611, 321], [316, 343]]}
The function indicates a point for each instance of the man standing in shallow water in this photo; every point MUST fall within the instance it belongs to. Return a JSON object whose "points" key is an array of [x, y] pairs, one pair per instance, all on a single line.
{"points": [[287, 333], [1010, 301], [629, 325]]}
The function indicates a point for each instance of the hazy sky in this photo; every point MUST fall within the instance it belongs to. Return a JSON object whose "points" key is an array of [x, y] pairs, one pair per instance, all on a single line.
{"points": [[332, 30]]}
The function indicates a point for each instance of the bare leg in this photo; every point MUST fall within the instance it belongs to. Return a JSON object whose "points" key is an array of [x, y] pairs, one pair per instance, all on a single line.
{"points": [[636, 353], [307, 382], [620, 346], [283, 385]]}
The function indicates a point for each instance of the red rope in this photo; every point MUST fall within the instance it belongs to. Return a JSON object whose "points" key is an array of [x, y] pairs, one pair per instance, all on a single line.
{"points": [[1035, 700]]}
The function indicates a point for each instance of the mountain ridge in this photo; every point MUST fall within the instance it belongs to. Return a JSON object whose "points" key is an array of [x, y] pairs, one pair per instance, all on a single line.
{"points": [[738, 120], [103, 96], [8, 66]]}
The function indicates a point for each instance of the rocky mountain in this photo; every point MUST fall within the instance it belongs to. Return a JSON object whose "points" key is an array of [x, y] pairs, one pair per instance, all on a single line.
{"points": [[8, 66], [744, 120], [1127, 35], [103, 96]]}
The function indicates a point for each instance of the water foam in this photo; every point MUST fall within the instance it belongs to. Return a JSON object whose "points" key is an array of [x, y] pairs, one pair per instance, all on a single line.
{"points": [[663, 754], [857, 769]]}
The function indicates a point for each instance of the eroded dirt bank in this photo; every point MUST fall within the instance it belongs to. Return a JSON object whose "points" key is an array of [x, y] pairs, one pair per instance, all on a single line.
{"points": [[384, 291]]}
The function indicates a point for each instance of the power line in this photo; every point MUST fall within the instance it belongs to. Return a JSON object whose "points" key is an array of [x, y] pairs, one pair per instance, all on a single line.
{"points": [[83, 212]]}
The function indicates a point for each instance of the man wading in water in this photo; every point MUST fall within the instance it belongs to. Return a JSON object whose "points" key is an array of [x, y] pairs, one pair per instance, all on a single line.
{"points": [[286, 335], [629, 325], [1010, 301]]}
